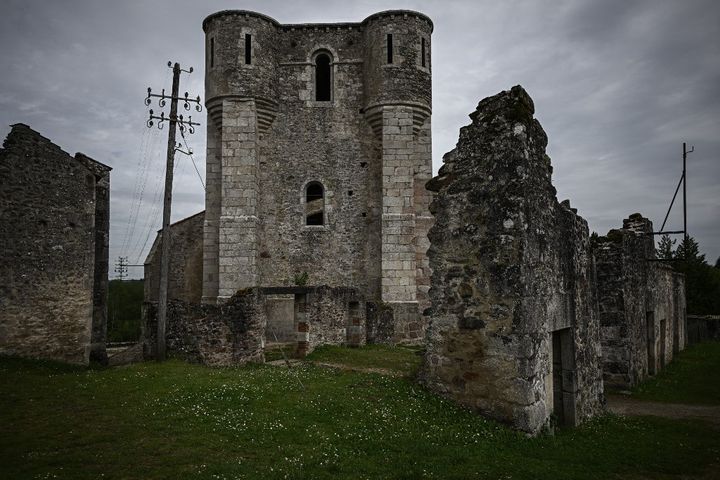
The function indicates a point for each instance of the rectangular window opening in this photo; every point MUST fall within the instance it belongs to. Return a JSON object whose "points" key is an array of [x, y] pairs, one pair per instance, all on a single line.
{"points": [[248, 48], [422, 51], [389, 48], [212, 52]]}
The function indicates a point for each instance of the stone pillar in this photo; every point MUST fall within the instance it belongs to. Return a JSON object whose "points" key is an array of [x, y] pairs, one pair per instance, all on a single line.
{"points": [[398, 215], [213, 195], [237, 253], [423, 219]]}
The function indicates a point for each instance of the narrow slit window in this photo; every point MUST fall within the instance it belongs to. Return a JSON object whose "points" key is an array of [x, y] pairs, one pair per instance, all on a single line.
{"points": [[248, 48], [389, 48], [422, 51], [314, 204], [323, 78], [212, 52]]}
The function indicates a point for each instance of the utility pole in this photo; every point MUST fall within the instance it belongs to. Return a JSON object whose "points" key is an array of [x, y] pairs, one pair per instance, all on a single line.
{"points": [[174, 120], [121, 267], [684, 180]]}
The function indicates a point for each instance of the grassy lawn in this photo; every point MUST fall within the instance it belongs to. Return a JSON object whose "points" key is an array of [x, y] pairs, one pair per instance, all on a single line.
{"points": [[175, 420], [403, 361], [693, 377]]}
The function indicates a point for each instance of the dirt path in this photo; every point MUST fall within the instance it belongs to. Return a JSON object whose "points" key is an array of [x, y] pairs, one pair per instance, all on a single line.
{"points": [[624, 405]]}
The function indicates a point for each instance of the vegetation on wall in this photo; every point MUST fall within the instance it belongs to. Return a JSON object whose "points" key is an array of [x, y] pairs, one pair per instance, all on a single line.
{"points": [[125, 299]]}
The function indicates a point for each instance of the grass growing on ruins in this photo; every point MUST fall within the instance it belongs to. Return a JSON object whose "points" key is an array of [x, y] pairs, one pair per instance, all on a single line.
{"points": [[175, 420], [693, 377]]}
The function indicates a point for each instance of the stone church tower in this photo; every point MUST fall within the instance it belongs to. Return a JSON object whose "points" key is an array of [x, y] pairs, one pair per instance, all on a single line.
{"points": [[318, 150]]}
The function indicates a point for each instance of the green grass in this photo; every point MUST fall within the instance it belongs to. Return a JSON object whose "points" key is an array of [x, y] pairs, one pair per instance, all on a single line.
{"points": [[400, 360], [181, 421], [693, 377]]}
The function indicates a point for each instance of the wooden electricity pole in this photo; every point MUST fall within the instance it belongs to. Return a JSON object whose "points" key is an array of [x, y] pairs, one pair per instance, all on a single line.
{"points": [[174, 120]]}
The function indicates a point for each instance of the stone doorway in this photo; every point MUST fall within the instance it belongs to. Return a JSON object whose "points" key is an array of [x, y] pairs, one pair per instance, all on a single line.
{"points": [[563, 377], [651, 358]]}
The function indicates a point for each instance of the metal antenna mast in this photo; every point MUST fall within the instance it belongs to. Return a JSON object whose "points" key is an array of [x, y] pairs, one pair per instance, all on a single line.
{"points": [[174, 120], [683, 182]]}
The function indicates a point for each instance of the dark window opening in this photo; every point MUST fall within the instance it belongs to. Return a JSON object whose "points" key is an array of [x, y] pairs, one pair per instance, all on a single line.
{"points": [[422, 51], [315, 219], [212, 52], [322, 78], [389, 48], [363, 164], [350, 193], [314, 204], [248, 48]]}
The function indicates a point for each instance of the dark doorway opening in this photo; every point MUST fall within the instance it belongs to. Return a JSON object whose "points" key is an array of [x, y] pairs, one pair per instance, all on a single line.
{"points": [[563, 377], [651, 358]]}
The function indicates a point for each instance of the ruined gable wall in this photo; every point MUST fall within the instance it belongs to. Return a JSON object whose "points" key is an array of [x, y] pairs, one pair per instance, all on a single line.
{"points": [[52, 288], [509, 266], [185, 269]]}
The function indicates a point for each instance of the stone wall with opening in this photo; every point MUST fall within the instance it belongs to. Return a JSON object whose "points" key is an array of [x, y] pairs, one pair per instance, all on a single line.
{"points": [[513, 330], [641, 305]]}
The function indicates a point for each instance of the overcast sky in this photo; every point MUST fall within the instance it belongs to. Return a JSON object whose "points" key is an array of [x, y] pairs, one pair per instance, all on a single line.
{"points": [[618, 86]]}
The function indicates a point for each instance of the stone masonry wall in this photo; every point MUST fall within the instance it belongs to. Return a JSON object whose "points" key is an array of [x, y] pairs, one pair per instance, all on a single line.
{"points": [[53, 242], [185, 269], [511, 270], [231, 334], [330, 319], [641, 305]]}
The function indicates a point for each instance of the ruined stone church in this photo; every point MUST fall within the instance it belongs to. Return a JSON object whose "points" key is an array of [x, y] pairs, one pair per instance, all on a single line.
{"points": [[318, 150]]}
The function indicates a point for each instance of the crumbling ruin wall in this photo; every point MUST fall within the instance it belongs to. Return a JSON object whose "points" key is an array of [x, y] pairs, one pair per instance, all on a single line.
{"points": [[329, 316], [230, 334], [511, 277], [186, 262], [641, 305], [54, 220]]}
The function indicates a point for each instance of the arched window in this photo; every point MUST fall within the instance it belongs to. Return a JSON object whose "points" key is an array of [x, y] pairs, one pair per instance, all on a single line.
{"points": [[314, 204], [323, 78]]}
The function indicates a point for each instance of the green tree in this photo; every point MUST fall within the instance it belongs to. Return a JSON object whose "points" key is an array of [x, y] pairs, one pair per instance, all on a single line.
{"points": [[665, 247], [125, 300], [702, 281]]}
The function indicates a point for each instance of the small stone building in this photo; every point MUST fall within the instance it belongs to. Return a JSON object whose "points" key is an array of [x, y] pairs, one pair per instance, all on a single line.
{"points": [[54, 221], [318, 151], [514, 331], [641, 303]]}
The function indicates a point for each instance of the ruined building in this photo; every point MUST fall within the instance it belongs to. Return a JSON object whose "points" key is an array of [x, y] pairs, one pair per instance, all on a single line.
{"points": [[641, 305], [318, 150], [54, 221], [514, 331]]}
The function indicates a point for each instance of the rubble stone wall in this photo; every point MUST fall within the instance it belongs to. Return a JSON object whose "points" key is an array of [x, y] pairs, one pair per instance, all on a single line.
{"points": [[54, 217], [641, 305], [510, 267], [231, 334]]}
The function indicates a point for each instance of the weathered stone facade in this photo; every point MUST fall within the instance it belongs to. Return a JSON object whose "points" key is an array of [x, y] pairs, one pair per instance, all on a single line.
{"points": [[235, 332], [514, 331], [185, 269], [54, 221], [231, 334], [641, 304], [273, 135]]}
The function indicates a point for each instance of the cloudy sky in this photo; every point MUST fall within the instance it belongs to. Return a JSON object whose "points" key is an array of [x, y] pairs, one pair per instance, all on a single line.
{"points": [[618, 86]]}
